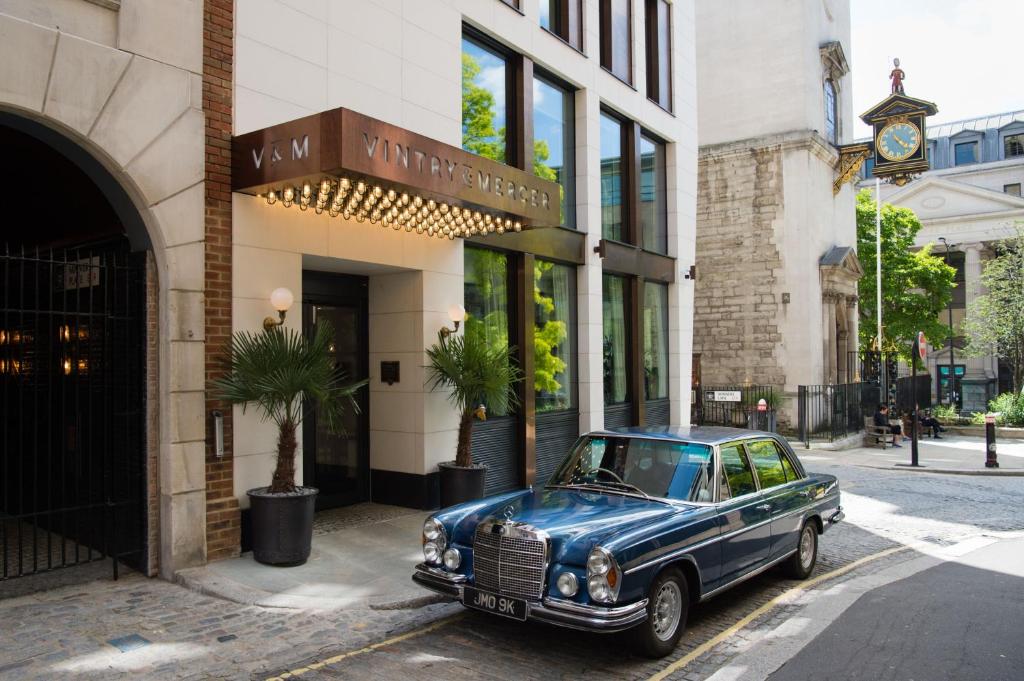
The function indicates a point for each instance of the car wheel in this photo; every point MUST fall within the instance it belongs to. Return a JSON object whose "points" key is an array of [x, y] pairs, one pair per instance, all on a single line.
{"points": [[801, 564], [667, 606]]}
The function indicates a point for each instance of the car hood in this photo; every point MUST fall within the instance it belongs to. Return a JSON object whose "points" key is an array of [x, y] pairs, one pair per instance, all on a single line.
{"points": [[576, 521]]}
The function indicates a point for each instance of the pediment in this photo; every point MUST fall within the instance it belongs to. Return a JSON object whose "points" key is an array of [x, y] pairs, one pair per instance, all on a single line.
{"points": [[897, 104], [933, 197], [842, 259]]}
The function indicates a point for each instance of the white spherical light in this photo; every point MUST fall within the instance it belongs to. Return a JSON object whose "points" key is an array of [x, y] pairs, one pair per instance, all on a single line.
{"points": [[281, 299]]}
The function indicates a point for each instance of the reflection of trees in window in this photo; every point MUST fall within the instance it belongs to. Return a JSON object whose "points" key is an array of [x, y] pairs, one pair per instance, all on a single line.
{"points": [[655, 316], [484, 75], [553, 141], [553, 297], [611, 179], [616, 360], [486, 297]]}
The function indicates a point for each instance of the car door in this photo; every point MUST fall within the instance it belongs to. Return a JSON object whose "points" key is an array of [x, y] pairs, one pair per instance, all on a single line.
{"points": [[744, 517], [781, 487]]}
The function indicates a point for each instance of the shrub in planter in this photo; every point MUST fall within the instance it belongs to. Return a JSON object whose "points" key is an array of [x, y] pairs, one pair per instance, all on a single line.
{"points": [[281, 371], [475, 373]]}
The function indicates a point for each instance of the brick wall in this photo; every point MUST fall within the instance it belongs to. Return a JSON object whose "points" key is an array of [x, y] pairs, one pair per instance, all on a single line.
{"points": [[736, 298], [223, 524]]}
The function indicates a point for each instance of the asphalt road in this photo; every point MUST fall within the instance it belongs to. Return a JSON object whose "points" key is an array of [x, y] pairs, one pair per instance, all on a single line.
{"points": [[958, 621]]}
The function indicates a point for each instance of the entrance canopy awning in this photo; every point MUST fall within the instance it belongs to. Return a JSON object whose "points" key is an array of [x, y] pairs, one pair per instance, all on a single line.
{"points": [[344, 163]]}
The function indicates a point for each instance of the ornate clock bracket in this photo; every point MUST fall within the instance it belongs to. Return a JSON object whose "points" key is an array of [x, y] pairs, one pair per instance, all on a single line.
{"points": [[851, 158]]}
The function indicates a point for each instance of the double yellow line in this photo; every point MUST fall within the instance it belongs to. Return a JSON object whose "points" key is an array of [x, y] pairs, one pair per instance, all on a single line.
{"points": [[785, 597]]}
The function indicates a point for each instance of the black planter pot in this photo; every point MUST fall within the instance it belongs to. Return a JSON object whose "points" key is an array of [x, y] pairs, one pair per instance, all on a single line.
{"points": [[460, 484], [282, 525]]}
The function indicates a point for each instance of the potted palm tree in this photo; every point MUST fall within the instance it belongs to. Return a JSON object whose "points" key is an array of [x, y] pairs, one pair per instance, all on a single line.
{"points": [[280, 371], [476, 373]]}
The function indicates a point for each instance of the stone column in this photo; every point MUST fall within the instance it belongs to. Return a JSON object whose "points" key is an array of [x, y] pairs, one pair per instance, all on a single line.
{"points": [[975, 383], [831, 340]]}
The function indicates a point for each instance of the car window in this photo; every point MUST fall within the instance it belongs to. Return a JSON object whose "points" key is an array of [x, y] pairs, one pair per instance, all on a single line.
{"points": [[765, 457], [661, 468], [788, 466], [737, 471], [723, 484]]}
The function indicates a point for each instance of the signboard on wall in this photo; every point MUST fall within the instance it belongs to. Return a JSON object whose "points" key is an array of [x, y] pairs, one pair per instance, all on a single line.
{"points": [[722, 395]]}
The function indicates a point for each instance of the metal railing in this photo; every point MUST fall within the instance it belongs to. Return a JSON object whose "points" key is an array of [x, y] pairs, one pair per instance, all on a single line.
{"points": [[736, 407], [833, 412]]}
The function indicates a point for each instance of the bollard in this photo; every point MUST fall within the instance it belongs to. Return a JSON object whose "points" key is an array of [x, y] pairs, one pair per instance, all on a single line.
{"points": [[990, 441]]}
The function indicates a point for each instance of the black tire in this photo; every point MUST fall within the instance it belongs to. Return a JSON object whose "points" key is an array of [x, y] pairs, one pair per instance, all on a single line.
{"points": [[646, 637], [801, 564]]}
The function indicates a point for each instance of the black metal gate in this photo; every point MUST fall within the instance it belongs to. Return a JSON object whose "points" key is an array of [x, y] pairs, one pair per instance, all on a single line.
{"points": [[72, 395], [736, 406]]}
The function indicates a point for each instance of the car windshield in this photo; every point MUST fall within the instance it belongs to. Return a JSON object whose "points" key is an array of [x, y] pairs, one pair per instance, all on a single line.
{"points": [[650, 467]]}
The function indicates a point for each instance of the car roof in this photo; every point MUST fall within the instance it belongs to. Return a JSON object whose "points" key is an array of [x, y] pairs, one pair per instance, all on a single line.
{"points": [[707, 435]]}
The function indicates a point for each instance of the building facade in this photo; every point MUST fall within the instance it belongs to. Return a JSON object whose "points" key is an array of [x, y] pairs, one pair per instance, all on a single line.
{"points": [[971, 197], [775, 299], [540, 158]]}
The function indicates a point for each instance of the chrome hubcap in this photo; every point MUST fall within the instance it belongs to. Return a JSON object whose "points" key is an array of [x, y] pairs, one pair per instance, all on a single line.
{"points": [[807, 547], [668, 606]]}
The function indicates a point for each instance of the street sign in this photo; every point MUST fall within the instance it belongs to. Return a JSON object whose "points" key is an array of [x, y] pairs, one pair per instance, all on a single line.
{"points": [[722, 395], [922, 345]]}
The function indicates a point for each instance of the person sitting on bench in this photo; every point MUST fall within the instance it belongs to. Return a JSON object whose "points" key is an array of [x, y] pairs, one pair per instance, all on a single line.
{"points": [[882, 421], [930, 422]]}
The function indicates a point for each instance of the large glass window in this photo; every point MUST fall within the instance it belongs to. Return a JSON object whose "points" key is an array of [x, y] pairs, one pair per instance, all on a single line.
{"points": [[553, 141], [484, 102], [653, 205], [564, 19], [616, 38], [655, 319], [1013, 145], [486, 298], [965, 153], [659, 52], [831, 113], [612, 180], [554, 335], [615, 323]]}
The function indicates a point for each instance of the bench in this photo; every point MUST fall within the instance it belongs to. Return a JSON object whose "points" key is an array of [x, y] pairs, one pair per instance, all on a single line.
{"points": [[878, 435]]}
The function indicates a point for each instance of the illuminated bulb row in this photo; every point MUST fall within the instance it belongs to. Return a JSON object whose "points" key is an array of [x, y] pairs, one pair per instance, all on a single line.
{"points": [[362, 201]]}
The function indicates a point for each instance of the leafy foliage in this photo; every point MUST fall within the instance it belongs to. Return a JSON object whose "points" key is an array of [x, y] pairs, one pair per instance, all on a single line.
{"points": [[548, 335], [474, 372], [478, 133], [916, 286], [995, 320], [277, 371]]}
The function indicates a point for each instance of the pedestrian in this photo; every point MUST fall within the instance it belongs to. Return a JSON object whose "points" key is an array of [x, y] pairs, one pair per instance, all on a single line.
{"points": [[932, 423], [882, 421]]}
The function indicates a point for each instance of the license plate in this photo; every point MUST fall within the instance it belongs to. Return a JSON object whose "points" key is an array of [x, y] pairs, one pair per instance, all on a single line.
{"points": [[493, 603]]}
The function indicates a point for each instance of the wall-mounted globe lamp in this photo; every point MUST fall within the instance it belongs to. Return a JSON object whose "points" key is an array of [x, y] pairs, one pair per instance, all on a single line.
{"points": [[281, 299], [456, 313]]}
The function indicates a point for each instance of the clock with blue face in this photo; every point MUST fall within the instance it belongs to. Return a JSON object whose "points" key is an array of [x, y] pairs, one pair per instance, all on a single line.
{"points": [[898, 141]]}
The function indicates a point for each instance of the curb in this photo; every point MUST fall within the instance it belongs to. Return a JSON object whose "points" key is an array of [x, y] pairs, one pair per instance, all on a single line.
{"points": [[990, 472]]}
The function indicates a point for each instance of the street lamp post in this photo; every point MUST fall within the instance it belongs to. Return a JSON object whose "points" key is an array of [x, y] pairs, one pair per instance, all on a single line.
{"points": [[949, 307]]}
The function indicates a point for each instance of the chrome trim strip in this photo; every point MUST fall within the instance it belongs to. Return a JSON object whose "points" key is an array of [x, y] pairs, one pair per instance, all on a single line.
{"points": [[588, 617], [438, 573], [593, 610], [745, 576]]}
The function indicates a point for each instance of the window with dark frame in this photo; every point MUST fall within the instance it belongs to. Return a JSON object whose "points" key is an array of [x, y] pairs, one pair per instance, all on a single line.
{"points": [[616, 329], [564, 19], [554, 334], [1013, 145], [486, 103], [554, 144], [514, 4], [653, 199], [658, 30], [487, 299], [1012, 189], [616, 31], [655, 340], [613, 180]]}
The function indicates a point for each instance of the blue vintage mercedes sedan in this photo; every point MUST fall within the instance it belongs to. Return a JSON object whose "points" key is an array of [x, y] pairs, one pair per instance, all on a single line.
{"points": [[634, 527]]}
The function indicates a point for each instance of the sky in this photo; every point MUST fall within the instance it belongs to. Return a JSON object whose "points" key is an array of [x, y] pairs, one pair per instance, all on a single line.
{"points": [[964, 55]]}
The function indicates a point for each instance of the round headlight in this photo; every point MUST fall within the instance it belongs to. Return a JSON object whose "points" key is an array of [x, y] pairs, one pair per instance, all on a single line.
{"points": [[432, 552], [567, 584], [598, 588], [598, 563], [432, 529], [452, 559]]}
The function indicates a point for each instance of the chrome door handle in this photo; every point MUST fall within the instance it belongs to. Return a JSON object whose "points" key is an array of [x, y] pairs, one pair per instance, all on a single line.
{"points": [[764, 507], [805, 494]]}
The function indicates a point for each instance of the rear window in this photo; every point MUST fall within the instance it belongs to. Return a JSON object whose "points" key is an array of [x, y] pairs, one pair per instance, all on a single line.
{"points": [[672, 470], [767, 462]]}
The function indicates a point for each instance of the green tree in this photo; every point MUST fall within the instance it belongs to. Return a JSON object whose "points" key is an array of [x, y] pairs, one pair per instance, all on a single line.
{"points": [[478, 133], [548, 334], [995, 320], [916, 285]]}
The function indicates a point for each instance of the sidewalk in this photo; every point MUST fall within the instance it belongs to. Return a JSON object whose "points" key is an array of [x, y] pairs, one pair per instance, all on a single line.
{"points": [[954, 454], [362, 555]]}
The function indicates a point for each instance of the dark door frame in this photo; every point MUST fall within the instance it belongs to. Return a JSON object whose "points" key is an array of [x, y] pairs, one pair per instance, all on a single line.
{"points": [[330, 289]]}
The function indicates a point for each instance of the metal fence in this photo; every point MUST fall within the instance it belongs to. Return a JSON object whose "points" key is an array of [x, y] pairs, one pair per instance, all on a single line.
{"points": [[72, 454], [832, 412], [911, 389], [736, 407]]}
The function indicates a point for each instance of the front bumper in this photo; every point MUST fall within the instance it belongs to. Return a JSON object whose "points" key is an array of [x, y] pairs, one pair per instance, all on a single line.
{"points": [[837, 516], [551, 610]]}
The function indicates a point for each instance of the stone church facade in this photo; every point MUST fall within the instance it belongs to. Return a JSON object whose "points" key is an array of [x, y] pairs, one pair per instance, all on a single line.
{"points": [[777, 272]]}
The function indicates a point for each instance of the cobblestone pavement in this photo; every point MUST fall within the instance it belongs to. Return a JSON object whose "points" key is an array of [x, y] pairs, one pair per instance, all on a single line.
{"points": [[63, 633]]}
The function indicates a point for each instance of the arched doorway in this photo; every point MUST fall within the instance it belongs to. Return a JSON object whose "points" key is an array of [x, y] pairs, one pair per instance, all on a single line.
{"points": [[77, 286]]}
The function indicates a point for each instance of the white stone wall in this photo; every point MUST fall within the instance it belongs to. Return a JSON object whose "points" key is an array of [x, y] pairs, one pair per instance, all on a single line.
{"points": [[126, 86], [400, 61]]}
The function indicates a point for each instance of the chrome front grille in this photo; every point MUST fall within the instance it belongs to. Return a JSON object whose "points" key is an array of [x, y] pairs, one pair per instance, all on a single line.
{"points": [[509, 565]]}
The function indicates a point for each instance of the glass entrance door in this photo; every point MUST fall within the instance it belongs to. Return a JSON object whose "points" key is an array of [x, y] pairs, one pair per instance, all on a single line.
{"points": [[339, 464]]}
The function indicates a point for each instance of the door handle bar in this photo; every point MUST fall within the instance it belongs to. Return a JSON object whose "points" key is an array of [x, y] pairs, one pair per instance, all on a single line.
{"points": [[764, 507]]}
